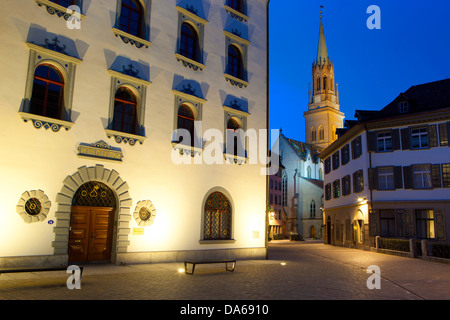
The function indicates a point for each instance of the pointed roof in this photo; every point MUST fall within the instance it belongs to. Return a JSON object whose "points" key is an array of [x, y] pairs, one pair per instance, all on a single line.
{"points": [[322, 51]]}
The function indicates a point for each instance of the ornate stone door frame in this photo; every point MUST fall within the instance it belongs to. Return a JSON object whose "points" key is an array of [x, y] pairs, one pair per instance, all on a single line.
{"points": [[64, 203]]}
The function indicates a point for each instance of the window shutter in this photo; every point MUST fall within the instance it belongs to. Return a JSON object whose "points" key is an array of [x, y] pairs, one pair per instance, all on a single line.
{"points": [[409, 224], [443, 134], [373, 178], [374, 223], [436, 175], [371, 141], [407, 177], [439, 224], [400, 228], [432, 134], [395, 139], [398, 181], [405, 135]]}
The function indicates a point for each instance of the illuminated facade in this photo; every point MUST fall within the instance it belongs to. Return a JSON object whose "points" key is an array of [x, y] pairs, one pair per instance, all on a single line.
{"points": [[388, 174], [91, 168]]}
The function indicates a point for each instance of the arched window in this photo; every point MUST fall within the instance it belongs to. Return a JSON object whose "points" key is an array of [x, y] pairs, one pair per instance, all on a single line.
{"points": [[235, 64], [236, 5], [125, 113], [313, 134], [186, 121], [321, 134], [131, 18], [47, 98], [217, 217], [318, 83], [312, 209], [308, 172], [189, 44], [324, 83]]}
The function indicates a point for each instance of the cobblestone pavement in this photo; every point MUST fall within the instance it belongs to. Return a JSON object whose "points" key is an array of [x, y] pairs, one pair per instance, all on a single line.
{"points": [[294, 271]]}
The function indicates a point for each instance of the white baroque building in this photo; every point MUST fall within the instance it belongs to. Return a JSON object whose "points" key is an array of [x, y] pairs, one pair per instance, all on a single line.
{"points": [[91, 168]]}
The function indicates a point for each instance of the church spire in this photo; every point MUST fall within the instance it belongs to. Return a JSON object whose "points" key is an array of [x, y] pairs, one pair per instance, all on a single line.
{"points": [[322, 52]]}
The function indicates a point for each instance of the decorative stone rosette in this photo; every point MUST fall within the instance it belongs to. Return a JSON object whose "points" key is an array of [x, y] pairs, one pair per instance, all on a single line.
{"points": [[33, 206], [144, 213]]}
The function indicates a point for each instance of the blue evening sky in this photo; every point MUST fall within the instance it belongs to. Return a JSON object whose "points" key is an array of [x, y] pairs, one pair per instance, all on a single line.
{"points": [[372, 67]]}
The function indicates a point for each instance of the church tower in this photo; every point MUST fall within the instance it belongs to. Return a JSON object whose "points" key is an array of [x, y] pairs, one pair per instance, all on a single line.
{"points": [[323, 116]]}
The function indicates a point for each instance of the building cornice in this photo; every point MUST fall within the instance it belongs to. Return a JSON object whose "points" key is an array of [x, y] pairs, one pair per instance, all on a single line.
{"points": [[388, 122]]}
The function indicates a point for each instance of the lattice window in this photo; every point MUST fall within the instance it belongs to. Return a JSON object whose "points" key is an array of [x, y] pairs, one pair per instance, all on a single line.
{"points": [[217, 217], [94, 194]]}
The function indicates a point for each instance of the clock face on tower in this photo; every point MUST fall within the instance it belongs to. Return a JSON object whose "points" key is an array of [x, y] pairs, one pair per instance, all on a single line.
{"points": [[316, 99]]}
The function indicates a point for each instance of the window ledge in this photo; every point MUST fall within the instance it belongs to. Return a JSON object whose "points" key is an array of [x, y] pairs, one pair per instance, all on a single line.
{"points": [[53, 8], [46, 122], [129, 138], [189, 63], [131, 39], [217, 241], [185, 149], [236, 14], [235, 81], [231, 158]]}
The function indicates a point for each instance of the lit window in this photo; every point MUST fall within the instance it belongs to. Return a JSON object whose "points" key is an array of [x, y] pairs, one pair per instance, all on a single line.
{"points": [[217, 217], [425, 224]]}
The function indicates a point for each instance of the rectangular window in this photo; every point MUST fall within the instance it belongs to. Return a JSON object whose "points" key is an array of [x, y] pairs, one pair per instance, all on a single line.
{"points": [[425, 224], [422, 176], [335, 160], [419, 138], [336, 188], [346, 188], [345, 154], [386, 178], [327, 165], [384, 141], [358, 181], [328, 191], [356, 148], [387, 223], [446, 175]]}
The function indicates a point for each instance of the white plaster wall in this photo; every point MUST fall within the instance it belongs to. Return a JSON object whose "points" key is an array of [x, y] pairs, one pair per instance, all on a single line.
{"points": [[40, 159]]}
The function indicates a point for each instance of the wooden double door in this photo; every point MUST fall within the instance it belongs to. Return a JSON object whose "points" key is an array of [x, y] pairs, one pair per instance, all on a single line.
{"points": [[90, 236]]}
